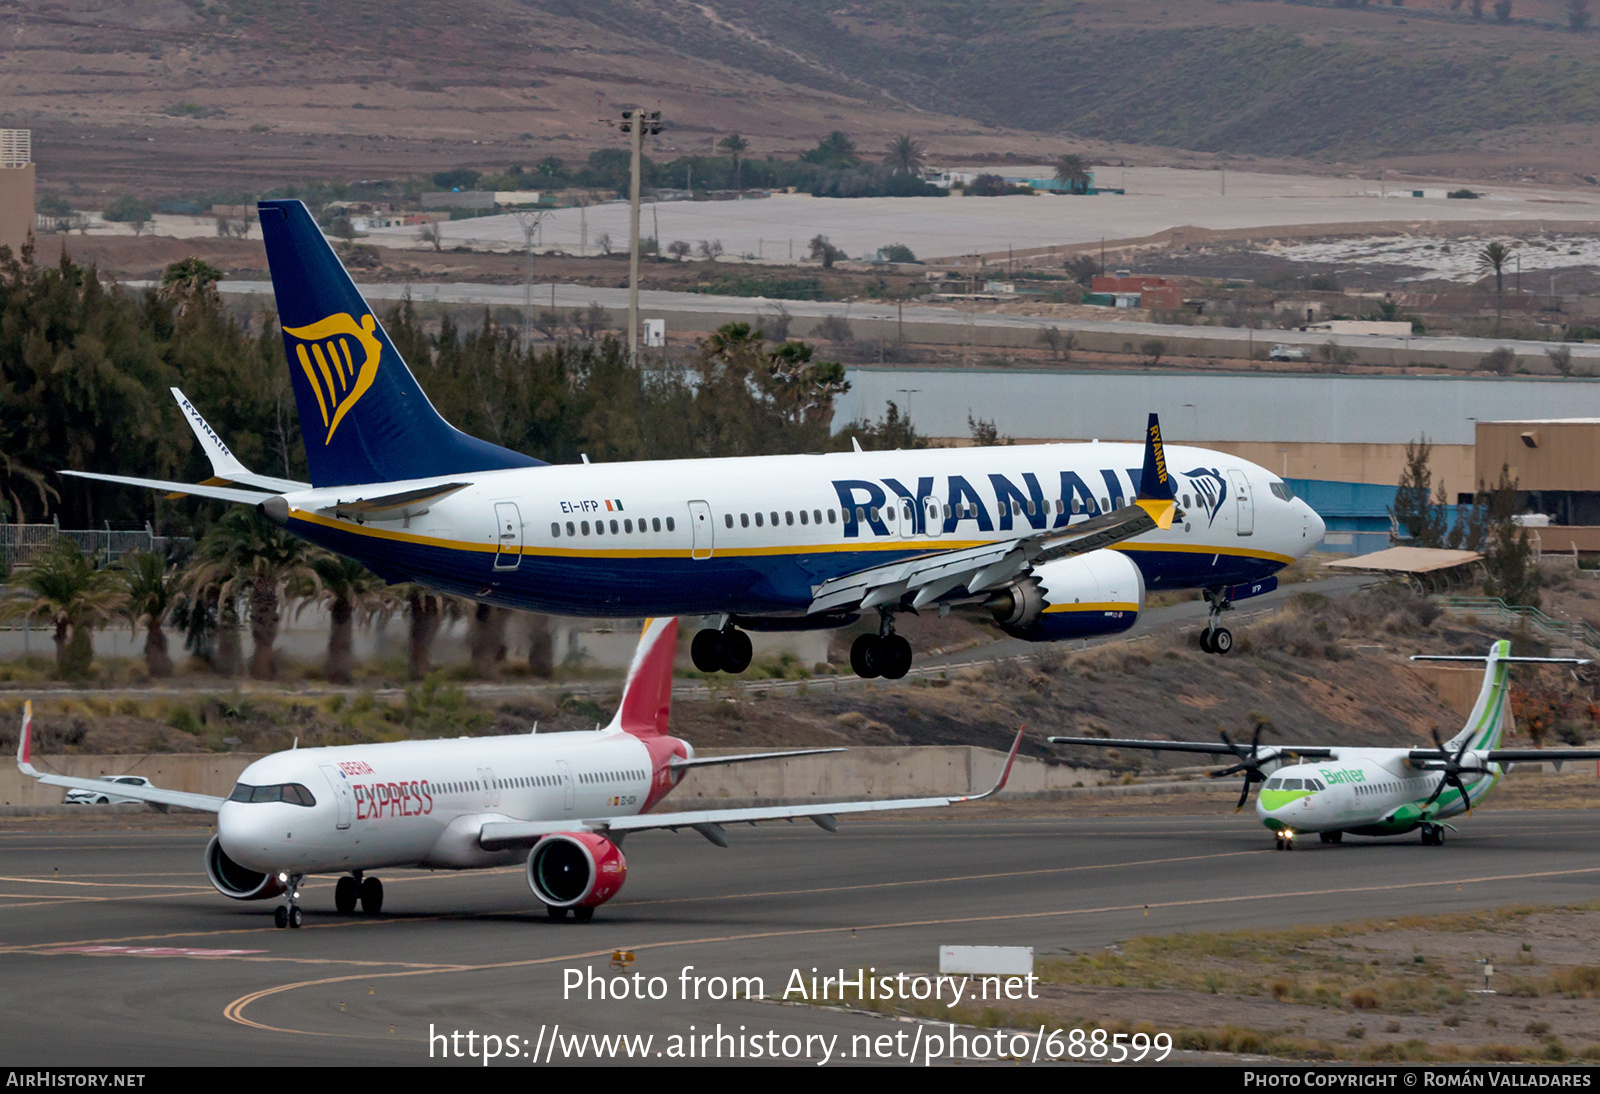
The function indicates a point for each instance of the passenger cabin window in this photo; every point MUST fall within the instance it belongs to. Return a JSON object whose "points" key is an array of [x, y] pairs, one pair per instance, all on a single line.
{"points": [[670, 525], [727, 518], [555, 530], [803, 516], [774, 519], [744, 520], [758, 520], [627, 526], [788, 518], [830, 516], [585, 527]]}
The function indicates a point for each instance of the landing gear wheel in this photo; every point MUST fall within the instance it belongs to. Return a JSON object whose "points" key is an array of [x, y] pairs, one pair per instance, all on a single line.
{"points": [[736, 651], [280, 916], [1205, 641], [345, 894], [1432, 835], [371, 896], [583, 915], [1331, 837], [297, 918], [892, 656], [1221, 640], [556, 914], [706, 650], [863, 657]]}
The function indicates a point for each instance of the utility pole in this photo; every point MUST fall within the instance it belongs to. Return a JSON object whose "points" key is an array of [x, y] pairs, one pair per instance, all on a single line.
{"points": [[530, 224], [636, 123]]}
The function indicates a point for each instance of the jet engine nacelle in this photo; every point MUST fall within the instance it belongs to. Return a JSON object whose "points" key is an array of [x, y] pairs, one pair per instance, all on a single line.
{"points": [[576, 870], [1101, 592], [232, 880]]}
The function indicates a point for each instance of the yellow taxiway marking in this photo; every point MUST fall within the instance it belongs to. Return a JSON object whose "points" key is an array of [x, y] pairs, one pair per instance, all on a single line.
{"points": [[234, 1011]]}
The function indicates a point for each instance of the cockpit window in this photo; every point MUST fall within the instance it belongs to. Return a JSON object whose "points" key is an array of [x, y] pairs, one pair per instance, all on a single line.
{"points": [[1274, 784], [292, 793], [1293, 784], [1281, 490]]}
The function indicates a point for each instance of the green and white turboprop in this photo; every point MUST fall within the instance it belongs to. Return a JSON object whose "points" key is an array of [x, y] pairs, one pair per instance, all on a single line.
{"points": [[1331, 790]]}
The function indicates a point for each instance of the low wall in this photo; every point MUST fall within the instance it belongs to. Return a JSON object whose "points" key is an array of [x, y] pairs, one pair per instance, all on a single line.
{"points": [[890, 772]]}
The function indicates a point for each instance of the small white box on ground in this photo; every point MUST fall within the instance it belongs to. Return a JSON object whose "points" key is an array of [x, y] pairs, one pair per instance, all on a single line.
{"points": [[986, 960], [655, 332]]}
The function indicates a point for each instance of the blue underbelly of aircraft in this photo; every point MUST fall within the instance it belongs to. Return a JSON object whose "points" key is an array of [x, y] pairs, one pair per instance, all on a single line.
{"points": [[604, 585]]}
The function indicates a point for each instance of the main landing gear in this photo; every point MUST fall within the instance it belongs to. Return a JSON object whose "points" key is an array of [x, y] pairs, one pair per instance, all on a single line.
{"points": [[725, 650], [349, 891], [1215, 638], [1331, 837], [289, 914], [884, 654], [1433, 835]]}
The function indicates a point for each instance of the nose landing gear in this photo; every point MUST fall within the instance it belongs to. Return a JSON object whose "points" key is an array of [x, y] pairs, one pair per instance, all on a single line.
{"points": [[1216, 638], [1285, 840], [289, 914]]}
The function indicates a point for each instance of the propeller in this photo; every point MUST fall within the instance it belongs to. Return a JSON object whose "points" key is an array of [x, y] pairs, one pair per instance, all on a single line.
{"points": [[1451, 766], [1250, 763]]}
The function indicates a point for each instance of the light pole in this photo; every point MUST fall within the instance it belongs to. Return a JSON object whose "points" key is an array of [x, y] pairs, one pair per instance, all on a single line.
{"points": [[908, 392], [636, 123], [530, 224]]}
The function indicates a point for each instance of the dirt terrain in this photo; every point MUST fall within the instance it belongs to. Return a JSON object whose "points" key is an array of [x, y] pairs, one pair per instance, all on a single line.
{"points": [[186, 97]]}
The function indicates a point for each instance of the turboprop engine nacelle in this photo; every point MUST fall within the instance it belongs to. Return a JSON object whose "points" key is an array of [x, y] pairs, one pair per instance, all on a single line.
{"points": [[1101, 592], [576, 870], [232, 880]]}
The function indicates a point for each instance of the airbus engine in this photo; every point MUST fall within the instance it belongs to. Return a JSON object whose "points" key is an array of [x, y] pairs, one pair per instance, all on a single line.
{"points": [[232, 880], [1087, 595], [576, 870]]}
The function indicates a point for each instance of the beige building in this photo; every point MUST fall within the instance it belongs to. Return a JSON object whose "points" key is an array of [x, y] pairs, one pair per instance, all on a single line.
{"points": [[16, 188], [1556, 465]]}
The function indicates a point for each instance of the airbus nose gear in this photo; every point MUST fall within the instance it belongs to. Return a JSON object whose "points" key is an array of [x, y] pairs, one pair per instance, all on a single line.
{"points": [[289, 914]]}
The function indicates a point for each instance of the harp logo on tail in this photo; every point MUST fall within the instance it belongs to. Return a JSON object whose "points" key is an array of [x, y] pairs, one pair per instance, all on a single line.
{"points": [[340, 359]]}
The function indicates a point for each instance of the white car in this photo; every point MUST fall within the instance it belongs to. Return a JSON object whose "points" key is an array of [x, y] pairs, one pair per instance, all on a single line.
{"points": [[101, 797], [1281, 352]]}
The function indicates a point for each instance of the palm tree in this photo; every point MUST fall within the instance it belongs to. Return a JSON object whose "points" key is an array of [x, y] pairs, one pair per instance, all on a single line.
{"points": [[1072, 171], [63, 588], [735, 146], [349, 591], [1493, 258], [152, 587], [428, 610], [247, 554], [904, 155]]}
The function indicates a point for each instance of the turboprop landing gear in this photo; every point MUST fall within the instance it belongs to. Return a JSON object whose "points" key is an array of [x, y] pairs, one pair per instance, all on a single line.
{"points": [[290, 915], [1331, 837], [1285, 840], [884, 654], [1216, 638], [725, 650], [1432, 835]]}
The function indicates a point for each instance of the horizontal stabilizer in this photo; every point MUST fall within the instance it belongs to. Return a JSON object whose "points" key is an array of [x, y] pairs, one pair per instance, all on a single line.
{"points": [[398, 506]]}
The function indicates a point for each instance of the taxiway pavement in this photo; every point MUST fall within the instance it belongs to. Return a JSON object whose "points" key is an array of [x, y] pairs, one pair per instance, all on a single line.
{"points": [[475, 951]]}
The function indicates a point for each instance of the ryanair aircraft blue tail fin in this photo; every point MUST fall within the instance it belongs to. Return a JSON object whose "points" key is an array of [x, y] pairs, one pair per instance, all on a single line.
{"points": [[1156, 495], [362, 415]]}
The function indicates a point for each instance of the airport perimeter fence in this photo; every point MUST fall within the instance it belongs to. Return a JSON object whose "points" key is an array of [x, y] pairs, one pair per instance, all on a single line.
{"points": [[1575, 631]]}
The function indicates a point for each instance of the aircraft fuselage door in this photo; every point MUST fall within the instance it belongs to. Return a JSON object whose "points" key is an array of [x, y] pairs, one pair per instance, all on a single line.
{"points": [[908, 518], [341, 794], [508, 535], [568, 784], [700, 528], [1246, 523], [932, 517]]}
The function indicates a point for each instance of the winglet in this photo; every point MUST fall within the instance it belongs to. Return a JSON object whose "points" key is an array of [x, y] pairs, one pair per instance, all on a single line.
{"points": [[1156, 495], [25, 742], [224, 464], [647, 696], [1005, 772]]}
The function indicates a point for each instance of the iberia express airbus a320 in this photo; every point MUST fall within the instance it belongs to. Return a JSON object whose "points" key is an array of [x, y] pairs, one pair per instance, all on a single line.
{"points": [[1056, 541], [559, 802]]}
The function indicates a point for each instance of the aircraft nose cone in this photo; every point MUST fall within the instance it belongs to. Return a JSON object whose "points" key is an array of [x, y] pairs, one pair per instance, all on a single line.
{"points": [[1316, 527], [246, 835]]}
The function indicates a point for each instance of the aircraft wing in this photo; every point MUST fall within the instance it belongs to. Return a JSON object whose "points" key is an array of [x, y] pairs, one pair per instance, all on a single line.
{"points": [[224, 464], [927, 578], [161, 799], [749, 757], [496, 835], [221, 493], [1213, 748], [1517, 755]]}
